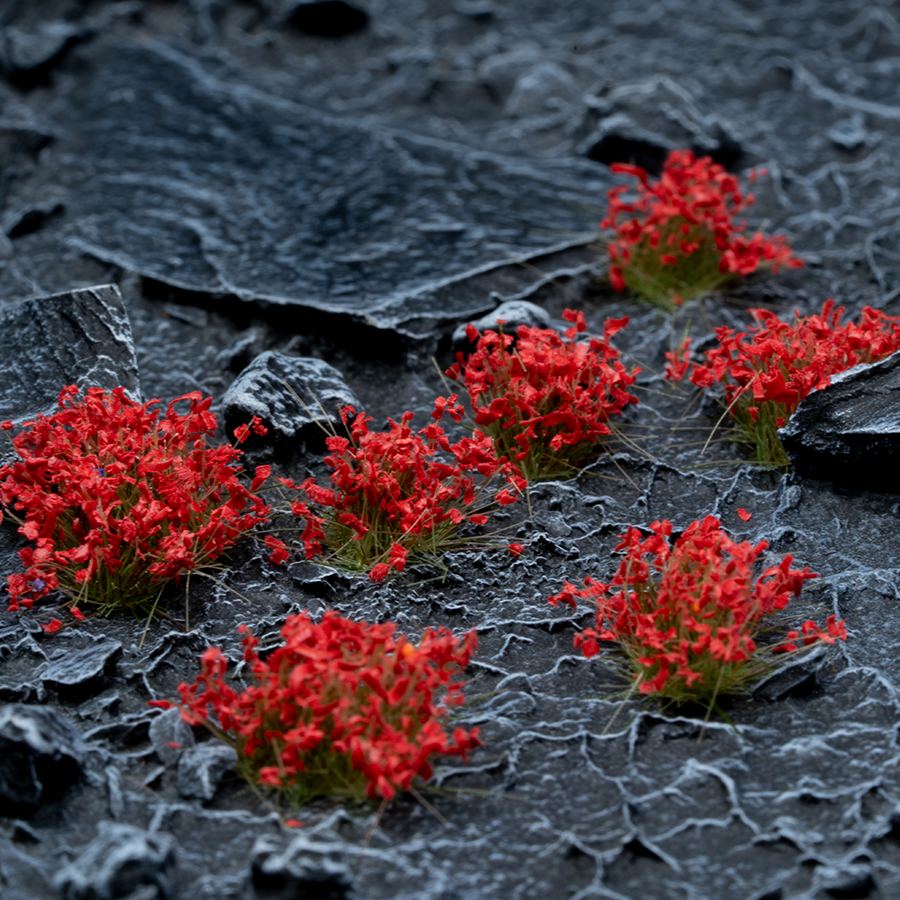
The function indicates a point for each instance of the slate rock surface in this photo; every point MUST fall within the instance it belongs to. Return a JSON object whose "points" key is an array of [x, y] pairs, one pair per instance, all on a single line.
{"points": [[298, 399], [80, 337], [641, 122], [354, 200], [122, 861], [41, 754], [849, 431], [308, 868], [150, 194]]}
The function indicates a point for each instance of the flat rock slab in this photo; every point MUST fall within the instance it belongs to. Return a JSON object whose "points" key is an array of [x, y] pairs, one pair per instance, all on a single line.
{"points": [[850, 431], [81, 337], [190, 180], [79, 669]]}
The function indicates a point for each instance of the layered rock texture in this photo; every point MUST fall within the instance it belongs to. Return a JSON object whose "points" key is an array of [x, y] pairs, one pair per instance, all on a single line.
{"points": [[349, 183]]}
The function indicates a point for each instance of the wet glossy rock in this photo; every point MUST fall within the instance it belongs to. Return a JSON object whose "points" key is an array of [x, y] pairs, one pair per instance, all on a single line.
{"points": [[41, 754], [850, 431], [298, 399], [120, 862]]}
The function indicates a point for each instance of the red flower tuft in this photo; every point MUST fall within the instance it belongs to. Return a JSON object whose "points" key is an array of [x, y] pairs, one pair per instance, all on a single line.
{"points": [[768, 370], [546, 400], [679, 237], [118, 497], [399, 492], [687, 612], [341, 707]]}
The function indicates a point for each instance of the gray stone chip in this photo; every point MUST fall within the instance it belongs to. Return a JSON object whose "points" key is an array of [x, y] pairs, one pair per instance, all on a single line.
{"points": [[295, 396], [121, 861]]}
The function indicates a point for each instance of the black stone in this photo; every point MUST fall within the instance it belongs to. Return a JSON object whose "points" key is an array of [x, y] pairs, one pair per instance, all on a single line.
{"points": [[70, 671], [202, 767], [298, 398], [328, 18], [306, 868], [849, 432], [41, 754], [121, 862]]}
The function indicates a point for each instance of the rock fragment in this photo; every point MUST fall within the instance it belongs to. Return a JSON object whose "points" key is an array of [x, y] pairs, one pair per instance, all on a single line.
{"points": [[41, 754], [512, 314], [201, 768], [121, 861], [306, 868], [170, 735], [79, 337], [80, 669], [297, 397], [849, 432]]}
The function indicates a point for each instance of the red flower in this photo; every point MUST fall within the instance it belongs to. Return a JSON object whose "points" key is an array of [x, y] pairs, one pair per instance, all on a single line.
{"points": [[516, 549], [118, 497], [743, 514], [546, 400], [679, 237], [279, 552], [342, 707], [768, 370], [687, 612]]}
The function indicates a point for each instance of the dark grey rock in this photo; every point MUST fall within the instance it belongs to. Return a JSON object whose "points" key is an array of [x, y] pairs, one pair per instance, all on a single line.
{"points": [[202, 767], [305, 868], [641, 122], [80, 669], [121, 862], [849, 134], [512, 314], [27, 55], [80, 337], [296, 397], [41, 754], [366, 221], [545, 87], [850, 431], [327, 18], [170, 735]]}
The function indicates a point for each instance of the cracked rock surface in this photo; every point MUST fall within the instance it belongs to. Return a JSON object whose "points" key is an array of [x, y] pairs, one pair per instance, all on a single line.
{"points": [[350, 182]]}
